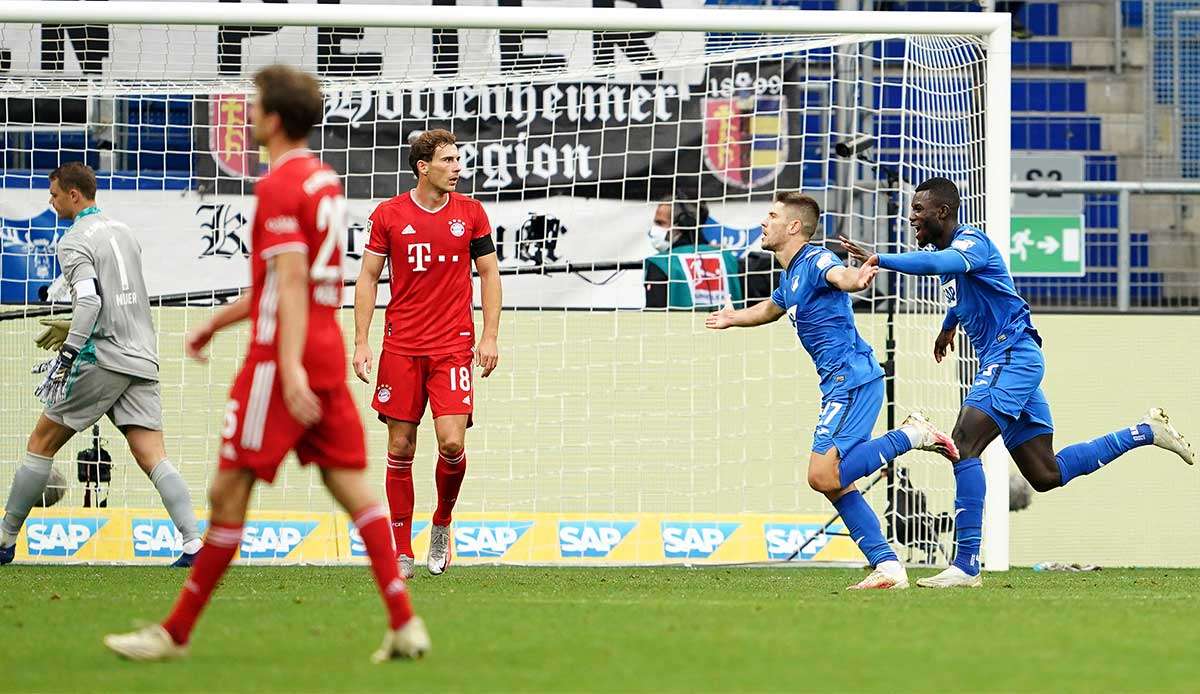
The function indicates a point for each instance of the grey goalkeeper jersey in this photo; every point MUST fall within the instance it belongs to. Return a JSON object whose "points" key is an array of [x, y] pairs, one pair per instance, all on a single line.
{"points": [[100, 248]]}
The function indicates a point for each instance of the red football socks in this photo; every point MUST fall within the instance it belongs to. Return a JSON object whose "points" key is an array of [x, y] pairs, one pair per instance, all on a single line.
{"points": [[220, 546], [399, 486], [372, 524], [449, 476]]}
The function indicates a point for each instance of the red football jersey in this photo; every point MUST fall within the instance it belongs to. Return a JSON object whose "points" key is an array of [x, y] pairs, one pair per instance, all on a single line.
{"points": [[300, 208], [429, 256]]}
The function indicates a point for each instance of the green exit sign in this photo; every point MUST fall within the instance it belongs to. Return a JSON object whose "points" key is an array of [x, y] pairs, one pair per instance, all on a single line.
{"points": [[1046, 246]]}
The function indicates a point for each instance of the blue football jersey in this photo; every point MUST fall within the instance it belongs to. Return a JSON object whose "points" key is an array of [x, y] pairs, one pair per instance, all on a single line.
{"points": [[824, 321], [983, 298]]}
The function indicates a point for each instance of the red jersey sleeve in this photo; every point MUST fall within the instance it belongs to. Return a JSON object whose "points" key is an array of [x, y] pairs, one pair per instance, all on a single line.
{"points": [[378, 238], [483, 227], [281, 230]]}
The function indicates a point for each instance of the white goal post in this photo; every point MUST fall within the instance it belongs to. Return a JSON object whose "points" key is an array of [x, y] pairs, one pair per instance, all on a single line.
{"points": [[852, 49]]}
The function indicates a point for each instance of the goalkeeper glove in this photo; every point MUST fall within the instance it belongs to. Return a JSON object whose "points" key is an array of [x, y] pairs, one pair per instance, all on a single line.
{"points": [[54, 335], [54, 387]]}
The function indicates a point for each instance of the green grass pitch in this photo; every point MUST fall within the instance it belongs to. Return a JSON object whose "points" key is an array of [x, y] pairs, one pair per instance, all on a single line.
{"points": [[613, 629]]}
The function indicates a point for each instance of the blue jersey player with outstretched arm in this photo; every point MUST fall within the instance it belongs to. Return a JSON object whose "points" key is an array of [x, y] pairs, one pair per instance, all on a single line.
{"points": [[1006, 397], [812, 292]]}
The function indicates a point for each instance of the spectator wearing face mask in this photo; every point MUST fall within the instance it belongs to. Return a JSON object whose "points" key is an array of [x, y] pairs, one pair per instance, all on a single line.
{"points": [[688, 272]]}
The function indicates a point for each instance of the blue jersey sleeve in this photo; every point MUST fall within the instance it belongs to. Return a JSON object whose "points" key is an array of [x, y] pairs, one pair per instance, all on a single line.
{"points": [[777, 295], [974, 247], [820, 267], [945, 262]]}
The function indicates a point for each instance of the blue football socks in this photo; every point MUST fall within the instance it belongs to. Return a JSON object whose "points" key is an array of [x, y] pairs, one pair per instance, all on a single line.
{"points": [[1089, 456], [968, 514], [864, 528], [869, 456]]}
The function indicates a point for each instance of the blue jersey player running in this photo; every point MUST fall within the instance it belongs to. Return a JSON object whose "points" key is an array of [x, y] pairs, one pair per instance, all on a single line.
{"points": [[812, 292], [1006, 398]]}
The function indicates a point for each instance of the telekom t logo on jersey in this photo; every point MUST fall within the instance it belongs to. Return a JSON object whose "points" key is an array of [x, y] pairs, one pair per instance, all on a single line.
{"points": [[419, 255]]}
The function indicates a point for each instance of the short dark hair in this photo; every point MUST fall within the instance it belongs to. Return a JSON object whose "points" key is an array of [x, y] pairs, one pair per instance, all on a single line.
{"points": [[76, 175], [423, 146], [800, 201], [294, 95], [942, 189]]}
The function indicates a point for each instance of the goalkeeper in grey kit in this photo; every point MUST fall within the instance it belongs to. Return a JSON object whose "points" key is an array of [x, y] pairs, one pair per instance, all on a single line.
{"points": [[107, 363]]}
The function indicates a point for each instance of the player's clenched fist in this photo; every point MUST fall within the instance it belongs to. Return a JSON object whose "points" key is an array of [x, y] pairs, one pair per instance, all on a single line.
{"points": [[362, 362]]}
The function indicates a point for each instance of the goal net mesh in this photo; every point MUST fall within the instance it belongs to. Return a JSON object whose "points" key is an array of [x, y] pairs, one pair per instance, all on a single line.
{"points": [[629, 430]]}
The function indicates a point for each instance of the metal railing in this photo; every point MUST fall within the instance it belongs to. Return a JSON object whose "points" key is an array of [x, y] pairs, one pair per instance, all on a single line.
{"points": [[1179, 281]]}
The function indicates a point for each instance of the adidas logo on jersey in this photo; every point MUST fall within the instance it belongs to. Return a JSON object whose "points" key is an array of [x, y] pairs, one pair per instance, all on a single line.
{"points": [[467, 400], [408, 230]]}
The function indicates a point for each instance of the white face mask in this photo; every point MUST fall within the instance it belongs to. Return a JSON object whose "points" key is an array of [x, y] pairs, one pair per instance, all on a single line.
{"points": [[660, 238]]}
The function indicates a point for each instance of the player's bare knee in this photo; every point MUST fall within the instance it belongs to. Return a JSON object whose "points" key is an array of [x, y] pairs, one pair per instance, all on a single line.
{"points": [[1045, 479], [402, 449], [450, 449], [823, 479]]}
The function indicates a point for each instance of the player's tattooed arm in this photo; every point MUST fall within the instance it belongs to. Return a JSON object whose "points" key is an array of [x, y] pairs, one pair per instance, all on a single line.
{"points": [[198, 338], [365, 293], [759, 314], [487, 352]]}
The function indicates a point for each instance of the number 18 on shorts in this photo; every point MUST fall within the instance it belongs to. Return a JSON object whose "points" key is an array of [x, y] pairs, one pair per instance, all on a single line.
{"points": [[406, 383]]}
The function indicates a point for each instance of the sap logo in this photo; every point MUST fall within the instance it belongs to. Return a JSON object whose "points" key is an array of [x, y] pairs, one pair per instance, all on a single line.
{"points": [[694, 540], [157, 538], [358, 549], [273, 539], [784, 538], [591, 538], [488, 538], [60, 537]]}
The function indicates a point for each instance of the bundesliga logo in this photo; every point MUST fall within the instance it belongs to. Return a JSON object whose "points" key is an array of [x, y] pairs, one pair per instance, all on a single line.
{"points": [[384, 394], [457, 227]]}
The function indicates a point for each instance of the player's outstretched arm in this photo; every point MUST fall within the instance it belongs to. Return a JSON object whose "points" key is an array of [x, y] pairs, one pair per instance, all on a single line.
{"points": [[198, 338], [759, 314], [292, 270], [487, 352], [852, 279], [365, 292], [945, 262]]}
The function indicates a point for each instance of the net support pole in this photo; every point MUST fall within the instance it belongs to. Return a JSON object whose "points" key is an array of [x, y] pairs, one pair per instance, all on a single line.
{"points": [[997, 150]]}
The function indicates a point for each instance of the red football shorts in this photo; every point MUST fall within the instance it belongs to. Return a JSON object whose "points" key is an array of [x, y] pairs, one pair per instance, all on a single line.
{"points": [[406, 383], [259, 431]]}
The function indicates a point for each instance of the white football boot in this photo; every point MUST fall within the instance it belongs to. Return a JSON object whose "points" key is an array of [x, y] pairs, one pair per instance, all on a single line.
{"points": [[1165, 435], [148, 643], [438, 559], [932, 438], [410, 641], [407, 566], [883, 580], [952, 577]]}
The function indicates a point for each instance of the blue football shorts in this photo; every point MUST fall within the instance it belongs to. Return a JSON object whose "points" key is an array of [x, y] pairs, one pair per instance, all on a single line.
{"points": [[1009, 390], [848, 417]]}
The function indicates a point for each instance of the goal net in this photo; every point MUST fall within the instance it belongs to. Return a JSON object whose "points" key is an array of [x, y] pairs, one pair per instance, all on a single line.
{"points": [[617, 428]]}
